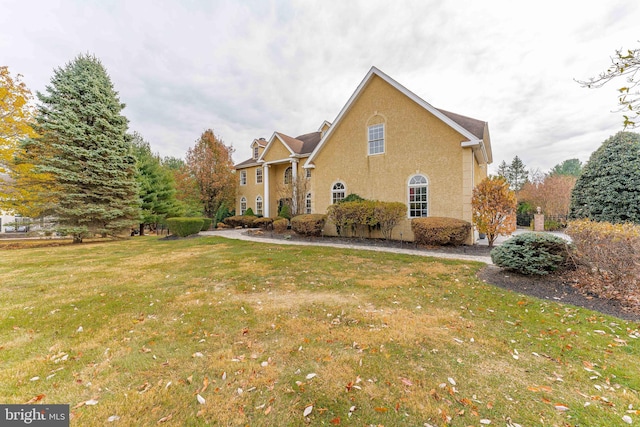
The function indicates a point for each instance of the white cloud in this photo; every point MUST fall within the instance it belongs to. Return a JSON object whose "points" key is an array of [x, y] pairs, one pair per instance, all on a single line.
{"points": [[249, 68]]}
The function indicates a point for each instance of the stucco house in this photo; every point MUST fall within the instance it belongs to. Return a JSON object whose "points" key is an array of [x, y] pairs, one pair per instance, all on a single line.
{"points": [[385, 144]]}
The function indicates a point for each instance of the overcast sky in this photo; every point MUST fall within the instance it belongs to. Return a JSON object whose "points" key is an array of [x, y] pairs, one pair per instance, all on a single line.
{"points": [[249, 68]]}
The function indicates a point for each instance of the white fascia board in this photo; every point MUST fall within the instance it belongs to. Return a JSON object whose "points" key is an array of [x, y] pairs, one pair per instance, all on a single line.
{"points": [[476, 143]]}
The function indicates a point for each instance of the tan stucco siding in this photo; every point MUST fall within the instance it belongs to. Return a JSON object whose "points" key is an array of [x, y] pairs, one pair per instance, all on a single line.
{"points": [[276, 151], [416, 142], [251, 190]]}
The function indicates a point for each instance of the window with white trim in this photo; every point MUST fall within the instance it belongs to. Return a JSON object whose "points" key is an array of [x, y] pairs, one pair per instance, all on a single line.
{"points": [[255, 151], [259, 205], [307, 203], [376, 139], [243, 205], [288, 175], [418, 196], [243, 177], [308, 173], [259, 175], [337, 192]]}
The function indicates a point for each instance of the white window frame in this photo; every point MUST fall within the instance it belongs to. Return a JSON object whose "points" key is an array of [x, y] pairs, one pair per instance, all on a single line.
{"points": [[243, 205], [308, 173], [290, 175], [337, 189], [259, 205], [243, 177], [256, 152], [259, 175], [414, 206], [375, 139], [307, 203]]}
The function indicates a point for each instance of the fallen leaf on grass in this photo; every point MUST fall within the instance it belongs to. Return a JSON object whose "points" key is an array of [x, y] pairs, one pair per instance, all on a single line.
{"points": [[37, 398], [268, 410], [165, 419], [307, 411], [335, 421], [627, 419], [560, 407], [201, 399], [381, 409]]}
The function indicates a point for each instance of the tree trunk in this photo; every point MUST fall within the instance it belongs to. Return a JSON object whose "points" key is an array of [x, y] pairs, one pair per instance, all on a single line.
{"points": [[142, 229]]}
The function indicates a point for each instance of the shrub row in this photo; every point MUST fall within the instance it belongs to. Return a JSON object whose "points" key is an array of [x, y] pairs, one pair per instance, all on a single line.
{"points": [[240, 220], [609, 257], [440, 231], [359, 217], [185, 226], [308, 224], [533, 254]]}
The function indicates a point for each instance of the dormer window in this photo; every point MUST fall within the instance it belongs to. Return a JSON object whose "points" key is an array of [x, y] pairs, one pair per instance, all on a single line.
{"points": [[256, 152]]}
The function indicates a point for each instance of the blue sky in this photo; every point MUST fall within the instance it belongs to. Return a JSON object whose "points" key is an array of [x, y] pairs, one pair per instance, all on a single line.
{"points": [[249, 68]]}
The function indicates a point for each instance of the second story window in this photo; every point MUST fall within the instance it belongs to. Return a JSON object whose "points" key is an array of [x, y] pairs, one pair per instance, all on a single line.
{"points": [[288, 175], [256, 151], [376, 139], [259, 175], [243, 177]]}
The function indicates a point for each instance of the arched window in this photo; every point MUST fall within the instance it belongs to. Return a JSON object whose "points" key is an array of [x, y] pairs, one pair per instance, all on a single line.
{"points": [[418, 196], [259, 205], [288, 175], [337, 192], [307, 203], [243, 205]]}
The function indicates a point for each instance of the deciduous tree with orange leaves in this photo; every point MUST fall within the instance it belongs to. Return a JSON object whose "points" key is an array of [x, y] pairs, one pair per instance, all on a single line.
{"points": [[210, 163], [494, 208]]}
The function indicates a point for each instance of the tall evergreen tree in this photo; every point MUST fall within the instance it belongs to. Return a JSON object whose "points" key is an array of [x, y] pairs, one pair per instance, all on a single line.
{"points": [[156, 185], [89, 152], [609, 187], [517, 174], [571, 167]]}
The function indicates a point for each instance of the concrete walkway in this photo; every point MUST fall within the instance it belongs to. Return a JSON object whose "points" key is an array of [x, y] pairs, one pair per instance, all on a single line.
{"points": [[240, 234]]}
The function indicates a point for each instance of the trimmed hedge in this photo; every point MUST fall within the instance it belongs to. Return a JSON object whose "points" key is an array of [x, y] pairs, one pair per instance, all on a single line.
{"points": [[206, 223], [280, 225], [440, 231], [610, 257], [240, 221], [265, 223], [533, 254], [308, 224], [185, 226]]}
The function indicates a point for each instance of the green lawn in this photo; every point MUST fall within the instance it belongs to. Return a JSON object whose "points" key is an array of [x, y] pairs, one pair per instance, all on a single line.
{"points": [[208, 331]]}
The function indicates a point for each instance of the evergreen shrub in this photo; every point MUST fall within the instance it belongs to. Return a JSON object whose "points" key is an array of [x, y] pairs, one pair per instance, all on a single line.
{"points": [[533, 254], [249, 212], [265, 223], [308, 224], [280, 225], [185, 226], [440, 231], [206, 223]]}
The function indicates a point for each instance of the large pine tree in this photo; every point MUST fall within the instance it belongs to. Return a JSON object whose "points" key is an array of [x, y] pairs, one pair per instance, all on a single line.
{"points": [[609, 187], [90, 156]]}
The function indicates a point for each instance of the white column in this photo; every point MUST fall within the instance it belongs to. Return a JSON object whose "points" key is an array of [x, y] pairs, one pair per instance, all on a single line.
{"points": [[265, 183]]}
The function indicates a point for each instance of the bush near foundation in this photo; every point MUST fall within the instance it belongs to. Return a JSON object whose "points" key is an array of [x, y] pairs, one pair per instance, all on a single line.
{"points": [[533, 254], [240, 221], [264, 223], [183, 227], [308, 224], [280, 225], [440, 231], [609, 258]]}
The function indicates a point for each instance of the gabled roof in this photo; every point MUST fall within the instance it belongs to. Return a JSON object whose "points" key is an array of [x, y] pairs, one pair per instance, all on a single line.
{"points": [[300, 146], [469, 128]]}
